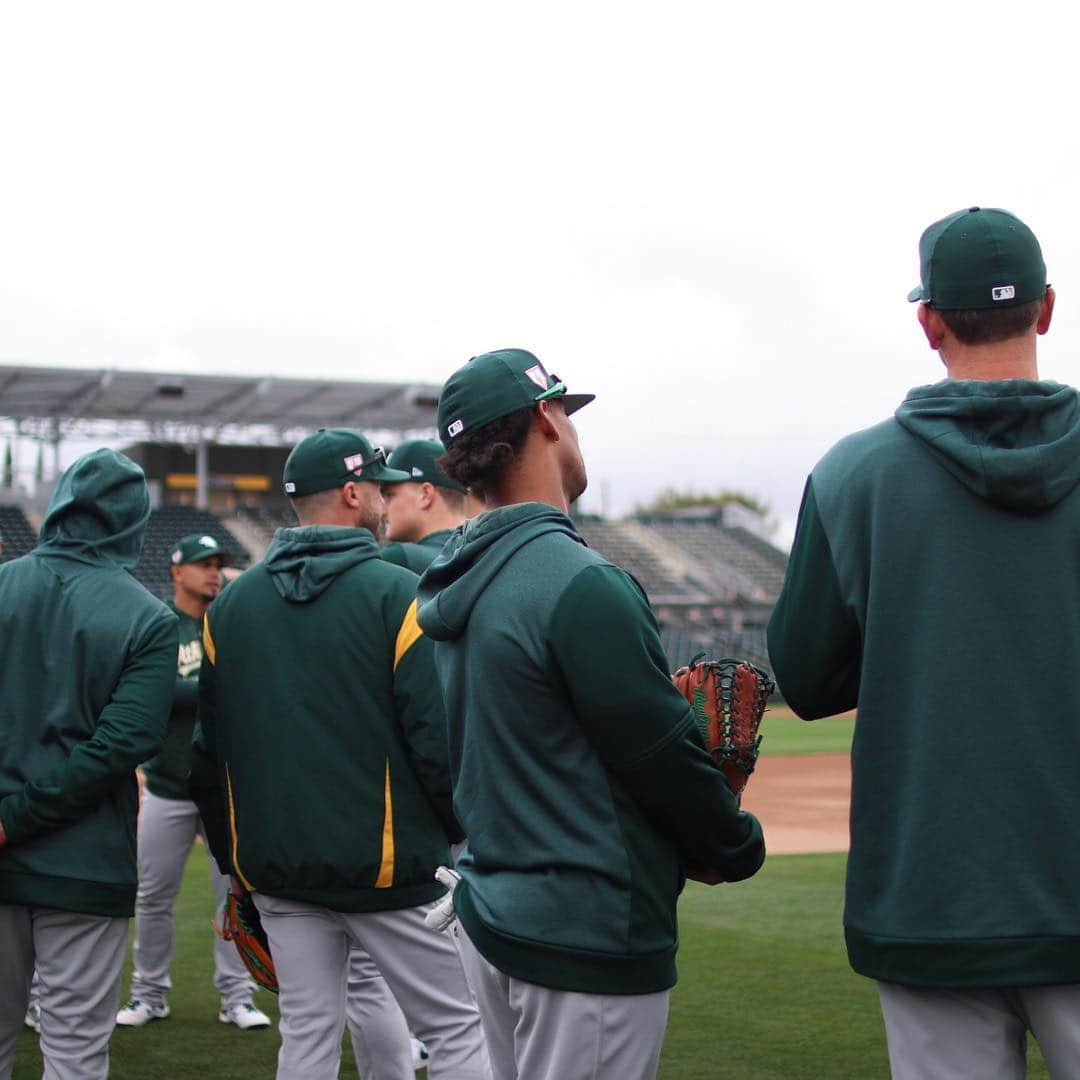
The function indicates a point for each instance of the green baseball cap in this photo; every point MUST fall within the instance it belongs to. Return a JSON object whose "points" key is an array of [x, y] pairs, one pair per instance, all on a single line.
{"points": [[332, 457], [418, 458], [494, 384], [195, 547], [978, 258]]}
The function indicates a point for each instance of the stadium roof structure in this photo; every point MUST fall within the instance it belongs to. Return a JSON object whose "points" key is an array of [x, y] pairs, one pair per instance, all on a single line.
{"points": [[56, 403]]}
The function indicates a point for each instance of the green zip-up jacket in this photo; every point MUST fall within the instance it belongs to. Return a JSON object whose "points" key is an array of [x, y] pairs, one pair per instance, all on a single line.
{"points": [[320, 762], [167, 772], [417, 556], [579, 775], [87, 662], [934, 583]]}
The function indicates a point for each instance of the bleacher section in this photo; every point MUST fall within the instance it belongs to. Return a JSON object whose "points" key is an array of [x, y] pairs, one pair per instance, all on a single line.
{"points": [[18, 534], [683, 643], [166, 526], [660, 573], [712, 587], [261, 522]]}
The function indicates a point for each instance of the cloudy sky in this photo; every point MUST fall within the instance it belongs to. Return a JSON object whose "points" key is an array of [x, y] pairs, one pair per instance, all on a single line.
{"points": [[705, 213]]}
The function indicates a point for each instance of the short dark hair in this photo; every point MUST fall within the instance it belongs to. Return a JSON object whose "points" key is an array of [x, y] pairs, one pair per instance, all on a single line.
{"points": [[477, 458], [988, 326], [306, 507]]}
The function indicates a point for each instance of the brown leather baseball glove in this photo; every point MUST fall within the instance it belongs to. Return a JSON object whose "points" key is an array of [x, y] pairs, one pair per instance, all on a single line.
{"points": [[243, 927], [728, 698]]}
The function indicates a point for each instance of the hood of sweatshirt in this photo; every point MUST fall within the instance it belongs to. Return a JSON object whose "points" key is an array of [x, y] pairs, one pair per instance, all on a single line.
{"points": [[305, 562], [98, 512], [1015, 443], [474, 556]]}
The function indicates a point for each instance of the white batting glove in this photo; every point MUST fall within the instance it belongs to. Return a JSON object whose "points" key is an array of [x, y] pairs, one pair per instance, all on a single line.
{"points": [[442, 915]]}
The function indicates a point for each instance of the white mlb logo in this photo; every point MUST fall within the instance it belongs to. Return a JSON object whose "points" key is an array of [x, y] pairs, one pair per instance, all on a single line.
{"points": [[1003, 292], [456, 428]]}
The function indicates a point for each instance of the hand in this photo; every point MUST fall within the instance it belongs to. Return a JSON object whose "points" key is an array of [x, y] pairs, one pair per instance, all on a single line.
{"points": [[236, 888], [443, 914]]}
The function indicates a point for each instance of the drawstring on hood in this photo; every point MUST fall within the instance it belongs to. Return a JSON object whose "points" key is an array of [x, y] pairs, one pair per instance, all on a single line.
{"points": [[304, 562], [1014, 442], [98, 511], [474, 556]]}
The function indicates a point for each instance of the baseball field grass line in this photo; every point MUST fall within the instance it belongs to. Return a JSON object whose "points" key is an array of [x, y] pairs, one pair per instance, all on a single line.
{"points": [[764, 993], [782, 732]]}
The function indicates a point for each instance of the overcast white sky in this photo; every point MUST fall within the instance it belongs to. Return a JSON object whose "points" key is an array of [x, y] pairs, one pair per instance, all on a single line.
{"points": [[705, 213]]}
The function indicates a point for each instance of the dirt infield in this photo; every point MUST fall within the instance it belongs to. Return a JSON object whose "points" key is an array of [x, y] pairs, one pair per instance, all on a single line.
{"points": [[802, 801]]}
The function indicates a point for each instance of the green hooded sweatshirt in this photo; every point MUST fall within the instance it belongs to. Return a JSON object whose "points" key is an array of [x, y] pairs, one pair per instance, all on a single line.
{"points": [[320, 764], [935, 584], [579, 775], [87, 663], [417, 556]]}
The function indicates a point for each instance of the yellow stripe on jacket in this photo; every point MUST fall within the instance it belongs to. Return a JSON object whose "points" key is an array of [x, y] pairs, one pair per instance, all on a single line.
{"points": [[209, 648], [408, 634], [233, 834], [386, 863]]}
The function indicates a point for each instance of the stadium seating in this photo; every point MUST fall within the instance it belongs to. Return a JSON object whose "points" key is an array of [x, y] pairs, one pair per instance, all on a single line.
{"points": [[166, 526], [18, 534]]}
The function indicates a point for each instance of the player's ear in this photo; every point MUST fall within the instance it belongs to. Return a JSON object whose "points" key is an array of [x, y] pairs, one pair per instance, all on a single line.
{"points": [[933, 326], [349, 492], [1046, 312], [427, 495], [546, 421]]}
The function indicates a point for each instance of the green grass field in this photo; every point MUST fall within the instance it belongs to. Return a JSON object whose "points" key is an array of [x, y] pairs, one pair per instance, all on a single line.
{"points": [[782, 732], [764, 992], [764, 988]]}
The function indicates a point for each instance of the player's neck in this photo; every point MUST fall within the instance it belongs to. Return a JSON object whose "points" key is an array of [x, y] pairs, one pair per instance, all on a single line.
{"points": [[1013, 359], [439, 520], [528, 490], [195, 606]]}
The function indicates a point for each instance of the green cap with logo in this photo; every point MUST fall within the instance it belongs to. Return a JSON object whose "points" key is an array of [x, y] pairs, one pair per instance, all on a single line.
{"points": [[418, 458], [195, 547], [494, 384], [979, 258], [332, 457]]}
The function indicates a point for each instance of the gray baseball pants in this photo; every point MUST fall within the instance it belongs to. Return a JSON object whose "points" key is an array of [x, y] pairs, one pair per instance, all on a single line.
{"points": [[937, 1034], [167, 830], [311, 954], [377, 1026], [536, 1033], [78, 960]]}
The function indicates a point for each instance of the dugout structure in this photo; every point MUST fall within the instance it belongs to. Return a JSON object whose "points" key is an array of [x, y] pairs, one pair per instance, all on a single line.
{"points": [[184, 426]]}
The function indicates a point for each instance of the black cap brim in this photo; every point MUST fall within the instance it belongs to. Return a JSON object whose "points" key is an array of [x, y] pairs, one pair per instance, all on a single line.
{"points": [[573, 402]]}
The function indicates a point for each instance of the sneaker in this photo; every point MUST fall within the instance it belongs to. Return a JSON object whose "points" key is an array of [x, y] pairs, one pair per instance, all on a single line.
{"points": [[244, 1017], [33, 1018], [137, 1013], [419, 1053]]}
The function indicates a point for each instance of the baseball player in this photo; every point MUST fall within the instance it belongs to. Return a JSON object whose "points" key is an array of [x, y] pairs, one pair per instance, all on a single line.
{"points": [[579, 776], [422, 511], [321, 766], [169, 820], [87, 663], [934, 583]]}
